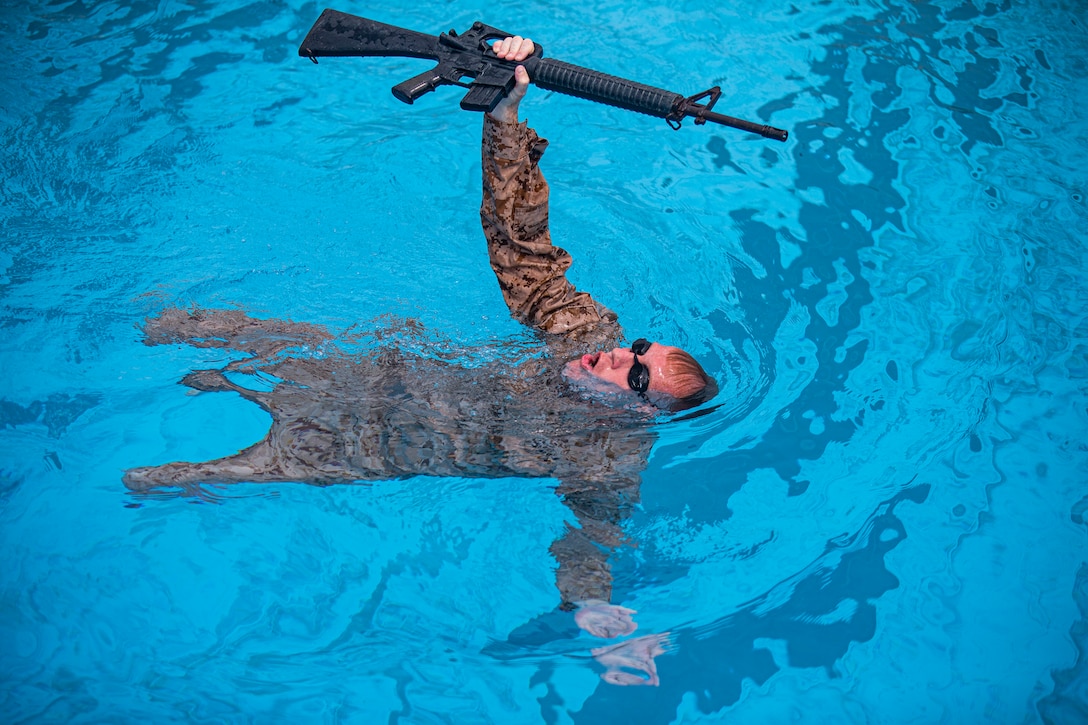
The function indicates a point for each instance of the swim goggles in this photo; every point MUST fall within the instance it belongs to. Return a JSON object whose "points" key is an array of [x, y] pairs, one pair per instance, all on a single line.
{"points": [[638, 377]]}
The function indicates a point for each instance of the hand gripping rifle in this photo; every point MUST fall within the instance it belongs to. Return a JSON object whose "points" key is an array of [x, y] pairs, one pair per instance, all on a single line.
{"points": [[469, 54]]}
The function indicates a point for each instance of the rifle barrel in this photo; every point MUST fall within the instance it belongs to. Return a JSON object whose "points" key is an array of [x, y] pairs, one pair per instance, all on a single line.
{"points": [[573, 80], [776, 134]]}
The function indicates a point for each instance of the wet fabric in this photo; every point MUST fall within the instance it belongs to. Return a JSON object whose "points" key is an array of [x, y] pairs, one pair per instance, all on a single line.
{"points": [[340, 418], [532, 271]]}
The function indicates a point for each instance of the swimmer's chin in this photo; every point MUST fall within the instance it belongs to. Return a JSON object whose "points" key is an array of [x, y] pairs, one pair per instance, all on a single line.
{"points": [[576, 375], [572, 371], [589, 386]]}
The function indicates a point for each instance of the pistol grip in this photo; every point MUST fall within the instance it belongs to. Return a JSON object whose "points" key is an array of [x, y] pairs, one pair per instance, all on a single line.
{"points": [[411, 89]]}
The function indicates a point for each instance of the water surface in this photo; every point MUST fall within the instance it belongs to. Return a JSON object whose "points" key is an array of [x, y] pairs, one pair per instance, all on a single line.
{"points": [[884, 522]]}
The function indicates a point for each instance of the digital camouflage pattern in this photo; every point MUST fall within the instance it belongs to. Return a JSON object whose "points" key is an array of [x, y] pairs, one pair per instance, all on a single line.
{"points": [[339, 418]]}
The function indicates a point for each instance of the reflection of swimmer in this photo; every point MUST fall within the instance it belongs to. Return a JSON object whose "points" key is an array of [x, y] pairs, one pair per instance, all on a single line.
{"points": [[583, 422], [632, 662]]}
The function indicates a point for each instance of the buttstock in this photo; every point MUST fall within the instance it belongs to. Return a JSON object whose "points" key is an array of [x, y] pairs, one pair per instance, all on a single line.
{"points": [[337, 34]]}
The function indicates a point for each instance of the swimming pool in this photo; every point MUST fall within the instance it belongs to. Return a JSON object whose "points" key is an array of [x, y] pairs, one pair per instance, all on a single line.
{"points": [[884, 523]]}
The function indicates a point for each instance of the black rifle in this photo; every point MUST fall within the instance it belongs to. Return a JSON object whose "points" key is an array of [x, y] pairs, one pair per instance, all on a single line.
{"points": [[470, 55]]}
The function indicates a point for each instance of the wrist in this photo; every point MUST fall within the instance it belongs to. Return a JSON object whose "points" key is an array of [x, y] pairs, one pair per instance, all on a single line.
{"points": [[506, 114]]}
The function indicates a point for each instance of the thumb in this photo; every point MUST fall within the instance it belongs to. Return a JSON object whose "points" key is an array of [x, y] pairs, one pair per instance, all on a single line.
{"points": [[521, 84]]}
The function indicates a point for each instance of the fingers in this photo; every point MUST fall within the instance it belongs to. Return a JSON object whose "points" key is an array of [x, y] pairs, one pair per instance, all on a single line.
{"points": [[515, 48], [631, 662]]}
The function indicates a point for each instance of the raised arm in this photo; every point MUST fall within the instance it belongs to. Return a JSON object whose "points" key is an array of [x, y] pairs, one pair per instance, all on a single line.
{"points": [[530, 270]]}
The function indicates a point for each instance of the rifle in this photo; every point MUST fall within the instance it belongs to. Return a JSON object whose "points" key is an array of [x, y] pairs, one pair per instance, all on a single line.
{"points": [[337, 34]]}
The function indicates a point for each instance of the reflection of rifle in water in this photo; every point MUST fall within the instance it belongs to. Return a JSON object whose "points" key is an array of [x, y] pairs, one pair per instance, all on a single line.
{"points": [[468, 54]]}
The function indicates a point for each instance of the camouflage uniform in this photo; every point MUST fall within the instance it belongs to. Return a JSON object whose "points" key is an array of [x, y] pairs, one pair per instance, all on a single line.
{"points": [[531, 271], [338, 418]]}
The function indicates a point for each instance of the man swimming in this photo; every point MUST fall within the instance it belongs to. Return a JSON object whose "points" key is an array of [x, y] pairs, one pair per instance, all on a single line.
{"points": [[580, 415]]}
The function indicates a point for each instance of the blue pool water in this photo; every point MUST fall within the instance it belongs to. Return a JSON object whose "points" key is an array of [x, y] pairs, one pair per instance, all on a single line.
{"points": [[883, 522]]}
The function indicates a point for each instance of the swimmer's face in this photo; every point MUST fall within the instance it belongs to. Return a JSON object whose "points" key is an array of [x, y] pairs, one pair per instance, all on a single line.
{"points": [[610, 370]]}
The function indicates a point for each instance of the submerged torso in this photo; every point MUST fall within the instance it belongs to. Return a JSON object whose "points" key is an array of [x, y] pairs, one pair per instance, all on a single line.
{"points": [[402, 415]]}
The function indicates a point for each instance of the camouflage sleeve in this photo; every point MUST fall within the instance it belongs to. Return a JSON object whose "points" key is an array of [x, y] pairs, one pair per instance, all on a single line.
{"points": [[530, 270], [231, 329]]}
